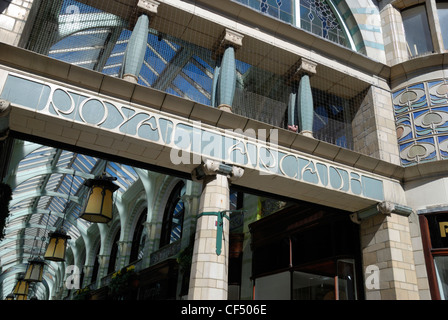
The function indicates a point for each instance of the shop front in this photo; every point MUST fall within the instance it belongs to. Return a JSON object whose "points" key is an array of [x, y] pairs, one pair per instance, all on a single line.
{"points": [[306, 252], [434, 228]]}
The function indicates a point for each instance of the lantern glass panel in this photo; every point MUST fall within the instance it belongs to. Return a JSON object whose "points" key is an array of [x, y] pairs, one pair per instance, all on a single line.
{"points": [[95, 200], [34, 272], [21, 287], [99, 206], [56, 247]]}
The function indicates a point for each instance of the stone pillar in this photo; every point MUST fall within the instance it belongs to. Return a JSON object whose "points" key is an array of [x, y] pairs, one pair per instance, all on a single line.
{"points": [[5, 110], [88, 270], [224, 77], [395, 44], [373, 126], [124, 249], [136, 48], [103, 260], [209, 268], [300, 104], [388, 256]]}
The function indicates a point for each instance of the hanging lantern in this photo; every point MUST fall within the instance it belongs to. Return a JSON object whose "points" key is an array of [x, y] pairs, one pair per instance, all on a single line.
{"points": [[35, 270], [57, 246], [10, 297], [99, 205], [21, 287]]}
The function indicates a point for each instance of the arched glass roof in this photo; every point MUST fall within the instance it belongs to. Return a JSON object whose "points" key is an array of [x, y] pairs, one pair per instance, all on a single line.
{"points": [[48, 192]]}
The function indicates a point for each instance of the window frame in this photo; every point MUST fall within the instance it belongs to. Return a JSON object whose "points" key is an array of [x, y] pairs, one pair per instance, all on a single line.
{"points": [[167, 222], [429, 38]]}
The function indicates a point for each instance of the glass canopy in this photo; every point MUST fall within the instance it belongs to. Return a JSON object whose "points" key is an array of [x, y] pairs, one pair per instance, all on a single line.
{"points": [[48, 192]]}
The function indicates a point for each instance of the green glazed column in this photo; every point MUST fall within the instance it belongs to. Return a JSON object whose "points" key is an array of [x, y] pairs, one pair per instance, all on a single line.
{"points": [[305, 107], [292, 112], [300, 103], [224, 78], [136, 49]]}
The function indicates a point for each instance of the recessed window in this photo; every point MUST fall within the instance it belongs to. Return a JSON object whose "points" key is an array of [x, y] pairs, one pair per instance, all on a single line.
{"points": [[442, 11], [416, 27], [173, 217]]}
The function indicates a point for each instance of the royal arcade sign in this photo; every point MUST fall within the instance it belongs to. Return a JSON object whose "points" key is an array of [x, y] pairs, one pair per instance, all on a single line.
{"points": [[186, 137]]}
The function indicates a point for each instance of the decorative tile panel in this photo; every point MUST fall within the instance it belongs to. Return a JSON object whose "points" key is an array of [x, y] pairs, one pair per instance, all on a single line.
{"points": [[421, 116]]}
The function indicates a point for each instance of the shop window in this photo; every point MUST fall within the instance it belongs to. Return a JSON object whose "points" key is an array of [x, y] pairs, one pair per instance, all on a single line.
{"points": [[173, 217], [139, 238], [434, 227], [441, 266], [306, 252], [442, 11], [416, 27]]}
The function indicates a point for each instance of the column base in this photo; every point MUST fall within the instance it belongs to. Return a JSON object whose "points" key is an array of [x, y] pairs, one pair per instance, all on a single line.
{"points": [[130, 78], [225, 107], [307, 133]]}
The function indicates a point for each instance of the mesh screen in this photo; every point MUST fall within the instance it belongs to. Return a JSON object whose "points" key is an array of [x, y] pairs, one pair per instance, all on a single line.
{"points": [[179, 60]]}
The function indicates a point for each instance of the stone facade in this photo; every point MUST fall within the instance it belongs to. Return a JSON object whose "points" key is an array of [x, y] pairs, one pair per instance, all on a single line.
{"points": [[13, 17], [387, 244], [374, 129]]}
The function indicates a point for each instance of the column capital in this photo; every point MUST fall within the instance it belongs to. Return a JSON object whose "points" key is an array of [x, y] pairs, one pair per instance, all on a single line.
{"points": [[302, 67], [228, 38], [212, 167], [148, 6]]}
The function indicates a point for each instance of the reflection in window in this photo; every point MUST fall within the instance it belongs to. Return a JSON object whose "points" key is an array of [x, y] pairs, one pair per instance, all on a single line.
{"points": [[173, 217], [442, 10], [416, 27]]}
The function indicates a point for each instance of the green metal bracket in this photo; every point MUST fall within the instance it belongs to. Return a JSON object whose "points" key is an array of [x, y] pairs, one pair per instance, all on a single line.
{"points": [[220, 215]]}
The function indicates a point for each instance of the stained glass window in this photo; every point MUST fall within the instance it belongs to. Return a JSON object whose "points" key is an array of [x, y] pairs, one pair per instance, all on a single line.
{"points": [[315, 16]]}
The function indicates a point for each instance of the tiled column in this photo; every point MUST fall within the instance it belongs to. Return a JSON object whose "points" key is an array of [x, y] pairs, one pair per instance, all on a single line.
{"points": [[387, 251], [136, 48], [300, 104], [209, 268], [224, 77]]}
